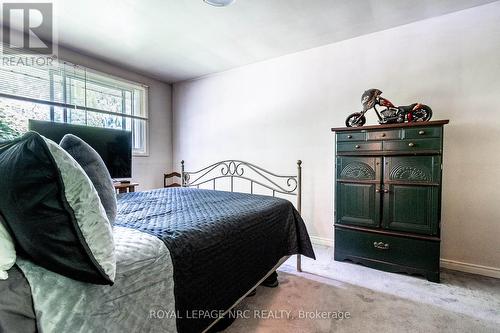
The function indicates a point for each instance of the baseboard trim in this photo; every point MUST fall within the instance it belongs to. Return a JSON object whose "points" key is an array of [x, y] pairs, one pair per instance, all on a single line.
{"points": [[321, 241], [493, 272], [471, 268]]}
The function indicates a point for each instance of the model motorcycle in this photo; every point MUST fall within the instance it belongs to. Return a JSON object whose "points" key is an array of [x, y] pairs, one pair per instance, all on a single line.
{"points": [[391, 114]]}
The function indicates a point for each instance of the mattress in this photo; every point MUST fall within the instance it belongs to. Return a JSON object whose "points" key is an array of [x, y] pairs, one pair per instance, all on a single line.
{"points": [[143, 282], [221, 243], [184, 256]]}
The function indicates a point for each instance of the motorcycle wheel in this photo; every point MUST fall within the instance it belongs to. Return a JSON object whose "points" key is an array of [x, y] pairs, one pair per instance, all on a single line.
{"points": [[355, 120], [423, 113]]}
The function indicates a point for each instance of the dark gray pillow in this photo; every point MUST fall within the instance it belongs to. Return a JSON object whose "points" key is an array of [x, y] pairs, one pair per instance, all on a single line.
{"points": [[94, 167], [53, 212]]}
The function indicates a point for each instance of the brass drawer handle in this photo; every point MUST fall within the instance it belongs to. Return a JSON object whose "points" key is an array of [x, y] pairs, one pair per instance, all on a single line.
{"points": [[349, 136], [421, 132], [386, 191], [381, 245], [357, 146], [378, 190], [411, 144]]}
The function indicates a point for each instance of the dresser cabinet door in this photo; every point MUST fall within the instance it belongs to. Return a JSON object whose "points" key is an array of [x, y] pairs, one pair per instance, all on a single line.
{"points": [[411, 208], [357, 191], [358, 204], [359, 169], [411, 194], [420, 170]]}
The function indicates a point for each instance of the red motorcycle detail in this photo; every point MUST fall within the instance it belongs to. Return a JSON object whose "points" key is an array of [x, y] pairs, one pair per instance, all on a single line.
{"points": [[391, 114]]}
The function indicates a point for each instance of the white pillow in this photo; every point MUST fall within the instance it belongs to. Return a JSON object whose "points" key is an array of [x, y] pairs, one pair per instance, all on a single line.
{"points": [[7, 252]]}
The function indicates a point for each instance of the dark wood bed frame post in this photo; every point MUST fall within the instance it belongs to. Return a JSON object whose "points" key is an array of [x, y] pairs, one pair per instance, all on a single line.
{"points": [[182, 173], [299, 204]]}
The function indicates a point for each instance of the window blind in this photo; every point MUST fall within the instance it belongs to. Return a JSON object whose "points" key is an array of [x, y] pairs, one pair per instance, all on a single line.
{"points": [[69, 93]]}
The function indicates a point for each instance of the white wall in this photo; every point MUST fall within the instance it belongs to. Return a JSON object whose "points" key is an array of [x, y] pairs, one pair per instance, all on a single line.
{"points": [[147, 171], [275, 112]]}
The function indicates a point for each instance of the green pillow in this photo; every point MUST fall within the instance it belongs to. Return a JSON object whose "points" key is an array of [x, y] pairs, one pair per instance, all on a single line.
{"points": [[94, 167], [53, 211]]}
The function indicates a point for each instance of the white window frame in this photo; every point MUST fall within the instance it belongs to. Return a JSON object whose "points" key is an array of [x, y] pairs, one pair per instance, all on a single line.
{"points": [[126, 84], [105, 79]]}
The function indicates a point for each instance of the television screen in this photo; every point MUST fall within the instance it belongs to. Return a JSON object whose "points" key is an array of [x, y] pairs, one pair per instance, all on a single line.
{"points": [[114, 146]]}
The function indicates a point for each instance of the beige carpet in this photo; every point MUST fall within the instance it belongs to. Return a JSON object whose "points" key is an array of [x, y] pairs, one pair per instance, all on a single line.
{"points": [[391, 303]]}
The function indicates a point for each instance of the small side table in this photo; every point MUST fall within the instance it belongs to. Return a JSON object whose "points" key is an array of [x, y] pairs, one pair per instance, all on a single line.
{"points": [[125, 187]]}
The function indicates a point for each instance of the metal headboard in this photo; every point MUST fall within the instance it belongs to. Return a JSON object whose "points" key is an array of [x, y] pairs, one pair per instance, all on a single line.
{"points": [[289, 185]]}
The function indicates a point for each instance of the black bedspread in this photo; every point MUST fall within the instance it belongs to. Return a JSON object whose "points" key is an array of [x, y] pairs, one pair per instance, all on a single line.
{"points": [[221, 243], [16, 305]]}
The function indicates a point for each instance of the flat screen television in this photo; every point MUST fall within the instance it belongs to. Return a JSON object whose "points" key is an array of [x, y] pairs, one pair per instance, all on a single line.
{"points": [[114, 146]]}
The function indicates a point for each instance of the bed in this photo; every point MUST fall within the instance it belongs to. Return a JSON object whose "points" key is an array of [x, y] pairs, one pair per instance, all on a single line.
{"points": [[185, 257]]}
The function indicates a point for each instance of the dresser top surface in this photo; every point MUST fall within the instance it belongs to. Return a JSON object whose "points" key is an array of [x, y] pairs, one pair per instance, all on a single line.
{"points": [[387, 126]]}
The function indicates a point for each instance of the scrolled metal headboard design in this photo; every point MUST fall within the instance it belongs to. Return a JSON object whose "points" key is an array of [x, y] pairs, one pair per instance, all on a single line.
{"points": [[289, 185]]}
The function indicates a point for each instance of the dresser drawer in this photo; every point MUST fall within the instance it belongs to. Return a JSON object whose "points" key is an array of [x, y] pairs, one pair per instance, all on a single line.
{"points": [[422, 132], [409, 252], [353, 136], [409, 145], [359, 146], [384, 135]]}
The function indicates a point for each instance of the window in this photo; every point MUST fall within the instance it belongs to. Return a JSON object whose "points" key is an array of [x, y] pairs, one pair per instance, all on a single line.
{"points": [[69, 93]]}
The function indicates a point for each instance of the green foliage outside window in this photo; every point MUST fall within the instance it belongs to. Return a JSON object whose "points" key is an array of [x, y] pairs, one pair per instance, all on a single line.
{"points": [[14, 117]]}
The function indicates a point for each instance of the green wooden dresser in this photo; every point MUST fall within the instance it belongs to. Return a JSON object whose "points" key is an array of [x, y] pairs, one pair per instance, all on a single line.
{"points": [[388, 196]]}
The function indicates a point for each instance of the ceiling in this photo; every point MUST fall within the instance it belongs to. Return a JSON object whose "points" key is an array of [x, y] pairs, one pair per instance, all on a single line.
{"points": [[175, 40]]}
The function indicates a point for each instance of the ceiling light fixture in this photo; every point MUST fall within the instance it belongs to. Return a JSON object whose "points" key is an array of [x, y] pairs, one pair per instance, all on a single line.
{"points": [[219, 3]]}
